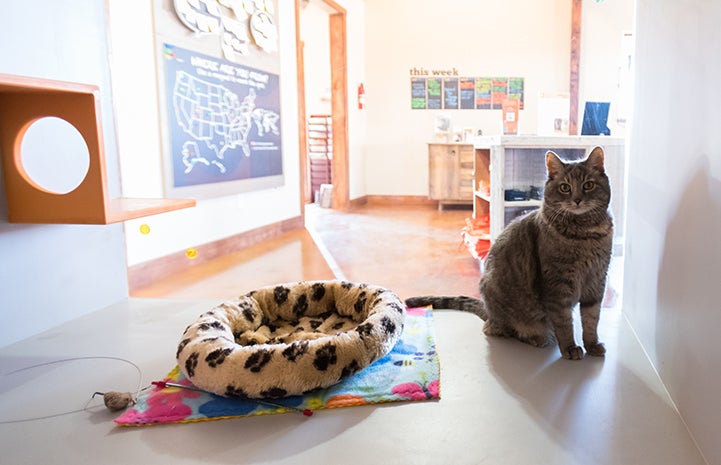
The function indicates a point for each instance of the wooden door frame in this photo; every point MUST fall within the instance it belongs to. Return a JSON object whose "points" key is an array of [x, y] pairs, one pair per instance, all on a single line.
{"points": [[339, 108], [574, 78]]}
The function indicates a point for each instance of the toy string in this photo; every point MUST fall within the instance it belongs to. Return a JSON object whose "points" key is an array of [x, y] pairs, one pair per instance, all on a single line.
{"points": [[72, 359]]}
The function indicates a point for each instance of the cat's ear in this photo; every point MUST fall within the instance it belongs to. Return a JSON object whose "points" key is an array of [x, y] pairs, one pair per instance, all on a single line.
{"points": [[554, 165], [595, 160]]}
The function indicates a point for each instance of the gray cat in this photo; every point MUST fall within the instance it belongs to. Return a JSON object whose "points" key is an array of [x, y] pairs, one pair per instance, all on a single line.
{"points": [[545, 262]]}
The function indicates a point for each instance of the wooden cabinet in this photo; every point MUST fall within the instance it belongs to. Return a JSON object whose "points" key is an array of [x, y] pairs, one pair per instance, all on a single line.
{"points": [[450, 173], [510, 172]]}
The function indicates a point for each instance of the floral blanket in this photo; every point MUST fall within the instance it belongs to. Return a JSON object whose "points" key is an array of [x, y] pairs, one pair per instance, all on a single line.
{"points": [[410, 372]]}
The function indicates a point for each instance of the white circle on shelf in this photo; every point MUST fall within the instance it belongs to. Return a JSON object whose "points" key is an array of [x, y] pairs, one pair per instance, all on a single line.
{"points": [[54, 155]]}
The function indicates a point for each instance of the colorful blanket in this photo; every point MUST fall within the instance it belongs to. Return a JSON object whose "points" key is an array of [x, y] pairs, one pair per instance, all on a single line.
{"points": [[410, 372]]}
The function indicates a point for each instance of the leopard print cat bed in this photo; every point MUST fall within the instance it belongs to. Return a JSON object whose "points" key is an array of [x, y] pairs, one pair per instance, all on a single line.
{"points": [[288, 339]]}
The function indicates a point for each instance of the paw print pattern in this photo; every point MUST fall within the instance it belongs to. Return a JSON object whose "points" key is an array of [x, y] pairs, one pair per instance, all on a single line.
{"points": [[388, 326], [324, 357], [301, 305], [318, 291], [295, 350], [191, 363], [181, 346], [350, 369], [231, 350], [396, 307], [377, 296], [360, 303], [273, 393], [280, 294], [217, 356], [214, 325], [258, 360], [235, 392], [364, 329], [248, 311]]}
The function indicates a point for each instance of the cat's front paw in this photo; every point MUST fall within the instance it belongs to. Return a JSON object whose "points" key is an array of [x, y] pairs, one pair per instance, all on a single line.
{"points": [[572, 353], [596, 350]]}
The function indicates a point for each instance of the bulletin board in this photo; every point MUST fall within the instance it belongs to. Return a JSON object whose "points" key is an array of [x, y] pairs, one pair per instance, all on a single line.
{"points": [[464, 93], [218, 71]]}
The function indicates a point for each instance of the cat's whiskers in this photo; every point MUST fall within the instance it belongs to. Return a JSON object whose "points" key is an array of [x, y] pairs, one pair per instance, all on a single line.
{"points": [[558, 215]]}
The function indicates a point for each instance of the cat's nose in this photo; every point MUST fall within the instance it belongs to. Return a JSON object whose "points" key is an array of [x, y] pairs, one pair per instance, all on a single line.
{"points": [[578, 201]]}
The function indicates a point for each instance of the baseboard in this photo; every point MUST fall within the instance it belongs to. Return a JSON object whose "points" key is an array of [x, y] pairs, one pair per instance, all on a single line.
{"points": [[146, 273], [393, 200]]}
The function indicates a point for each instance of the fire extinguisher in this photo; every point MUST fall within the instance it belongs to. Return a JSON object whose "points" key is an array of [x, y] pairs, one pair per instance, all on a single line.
{"points": [[361, 97]]}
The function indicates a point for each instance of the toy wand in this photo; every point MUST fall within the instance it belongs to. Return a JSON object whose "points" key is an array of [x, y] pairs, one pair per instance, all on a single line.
{"points": [[163, 384]]}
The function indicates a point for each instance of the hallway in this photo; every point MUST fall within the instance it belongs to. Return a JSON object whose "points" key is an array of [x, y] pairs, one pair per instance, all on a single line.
{"points": [[411, 251]]}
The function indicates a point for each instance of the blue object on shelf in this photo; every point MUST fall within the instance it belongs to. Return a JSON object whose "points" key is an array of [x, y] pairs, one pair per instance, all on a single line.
{"points": [[595, 119]]}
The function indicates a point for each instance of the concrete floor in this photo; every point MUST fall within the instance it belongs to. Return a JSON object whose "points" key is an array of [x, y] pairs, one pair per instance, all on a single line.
{"points": [[502, 402]]}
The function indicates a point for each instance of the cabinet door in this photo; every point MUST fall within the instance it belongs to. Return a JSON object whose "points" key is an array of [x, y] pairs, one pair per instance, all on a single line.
{"points": [[465, 173], [443, 171]]}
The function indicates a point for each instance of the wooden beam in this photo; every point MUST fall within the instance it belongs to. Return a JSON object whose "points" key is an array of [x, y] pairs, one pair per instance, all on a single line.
{"points": [[575, 66], [305, 194], [339, 110]]}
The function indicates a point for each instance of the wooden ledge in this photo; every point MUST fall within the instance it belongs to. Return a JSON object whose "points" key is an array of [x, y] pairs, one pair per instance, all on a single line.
{"points": [[23, 100]]}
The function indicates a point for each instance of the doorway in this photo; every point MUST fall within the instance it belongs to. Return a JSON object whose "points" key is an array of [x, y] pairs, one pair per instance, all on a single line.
{"points": [[337, 96]]}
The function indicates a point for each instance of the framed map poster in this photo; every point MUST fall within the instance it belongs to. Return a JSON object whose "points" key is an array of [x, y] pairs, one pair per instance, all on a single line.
{"points": [[218, 70], [223, 119]]}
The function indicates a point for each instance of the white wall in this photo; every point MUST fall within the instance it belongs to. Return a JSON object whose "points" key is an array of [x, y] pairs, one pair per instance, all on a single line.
{"points": [[523, 38], [478, 39], [603, 68], [357, 73], [134, 78], [673, 256], [52, 273], [315, 35]]}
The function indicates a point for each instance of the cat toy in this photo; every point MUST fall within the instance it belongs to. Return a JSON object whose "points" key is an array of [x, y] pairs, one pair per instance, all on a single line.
{"points": [[116, 401]]}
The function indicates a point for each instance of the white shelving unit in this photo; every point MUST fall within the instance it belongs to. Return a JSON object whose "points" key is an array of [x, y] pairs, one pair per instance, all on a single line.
{"points": [[515, 166]]}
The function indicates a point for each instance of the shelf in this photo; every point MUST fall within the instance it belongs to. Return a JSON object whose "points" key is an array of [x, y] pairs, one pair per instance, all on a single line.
{"points": [[546, 142], [128, 208], [521, 203], [23, 100], [481, 195], [505, 161]]}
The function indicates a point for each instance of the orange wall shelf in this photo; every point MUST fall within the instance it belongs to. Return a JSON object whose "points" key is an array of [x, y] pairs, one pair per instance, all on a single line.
{"points": [[23, 100]]}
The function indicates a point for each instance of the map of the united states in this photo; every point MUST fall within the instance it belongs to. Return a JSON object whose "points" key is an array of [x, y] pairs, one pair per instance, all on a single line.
{"points": [[216, 116]]}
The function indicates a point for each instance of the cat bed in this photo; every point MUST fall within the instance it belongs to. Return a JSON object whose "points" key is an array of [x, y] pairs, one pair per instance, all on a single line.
{"points": [[291, 338]]}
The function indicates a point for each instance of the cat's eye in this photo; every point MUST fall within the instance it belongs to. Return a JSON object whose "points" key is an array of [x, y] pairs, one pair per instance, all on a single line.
{"points": [[564, 188], [588, 186]]}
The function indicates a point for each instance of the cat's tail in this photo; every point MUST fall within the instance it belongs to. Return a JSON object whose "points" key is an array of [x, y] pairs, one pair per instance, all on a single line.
{"points": [[461, 302]]}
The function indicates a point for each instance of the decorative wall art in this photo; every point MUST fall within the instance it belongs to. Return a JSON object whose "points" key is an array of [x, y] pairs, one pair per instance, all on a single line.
{"points": [[223, 119], [445, 89], [218, 71], [238, 24]]}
